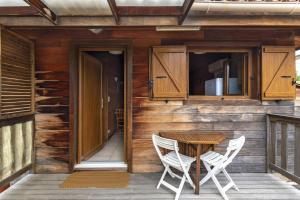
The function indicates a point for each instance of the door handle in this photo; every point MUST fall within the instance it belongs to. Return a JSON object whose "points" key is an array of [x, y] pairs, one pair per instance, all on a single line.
{"points": [[161, 77]]}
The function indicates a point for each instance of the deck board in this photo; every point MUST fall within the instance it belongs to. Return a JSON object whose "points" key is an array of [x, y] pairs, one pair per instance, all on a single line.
{"points": [[142, 186]]}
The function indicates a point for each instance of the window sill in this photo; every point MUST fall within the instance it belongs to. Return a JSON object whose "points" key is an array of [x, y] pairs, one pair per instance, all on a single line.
{"points": [[195, 97], [222, 100]]}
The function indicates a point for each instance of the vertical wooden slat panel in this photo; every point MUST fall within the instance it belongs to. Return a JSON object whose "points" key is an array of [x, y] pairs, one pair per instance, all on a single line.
{"points": [[6, 152], [28, 138], [0, 71], [297, 151], [283, 149], [268, 149], [273, 139], [18, 146], [16, 140]]}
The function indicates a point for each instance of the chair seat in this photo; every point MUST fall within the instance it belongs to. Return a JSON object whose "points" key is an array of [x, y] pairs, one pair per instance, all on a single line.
{"points": [[212, 158], [171, 158]]}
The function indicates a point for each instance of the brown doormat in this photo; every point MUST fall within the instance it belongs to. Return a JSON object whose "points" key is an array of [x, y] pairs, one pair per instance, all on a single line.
{"points": [[97, 179]]}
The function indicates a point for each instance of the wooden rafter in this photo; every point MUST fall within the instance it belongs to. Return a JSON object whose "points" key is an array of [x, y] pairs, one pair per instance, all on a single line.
{"points": [[114, 10], [16, 11], [43, 9], [149, 11], [185, 10]]}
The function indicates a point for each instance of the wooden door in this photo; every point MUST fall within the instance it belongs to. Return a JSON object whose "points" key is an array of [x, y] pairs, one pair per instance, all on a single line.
{"points": [[169, 72], [278, 73], [90, 112]]}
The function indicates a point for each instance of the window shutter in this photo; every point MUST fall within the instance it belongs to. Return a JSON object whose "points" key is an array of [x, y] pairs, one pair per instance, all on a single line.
{"points": [[278, 73], [16, 75], [169, 72]]}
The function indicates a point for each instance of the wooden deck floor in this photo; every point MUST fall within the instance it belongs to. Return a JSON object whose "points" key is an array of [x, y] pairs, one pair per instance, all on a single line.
{"points": [[142, 186]]}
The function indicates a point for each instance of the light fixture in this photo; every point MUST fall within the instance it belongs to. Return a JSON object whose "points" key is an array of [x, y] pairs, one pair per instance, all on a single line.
{"points": [[96, 30], [116, 52], [178, 28], [199, 52]]}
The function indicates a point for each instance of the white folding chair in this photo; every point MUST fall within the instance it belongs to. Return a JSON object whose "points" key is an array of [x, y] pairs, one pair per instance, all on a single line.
{"points": [[216, 163], [175, 160]]}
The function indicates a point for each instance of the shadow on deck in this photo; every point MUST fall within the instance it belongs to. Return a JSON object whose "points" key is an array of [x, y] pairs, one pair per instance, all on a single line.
{"points": [[143, 186]]}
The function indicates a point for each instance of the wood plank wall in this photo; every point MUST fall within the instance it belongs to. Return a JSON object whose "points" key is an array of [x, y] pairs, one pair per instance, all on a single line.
{"points": [[236, 117], [52, 106]]}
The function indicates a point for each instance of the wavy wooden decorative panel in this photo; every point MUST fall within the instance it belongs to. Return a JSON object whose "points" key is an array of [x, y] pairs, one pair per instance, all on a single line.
{"points": [[16, 146]]}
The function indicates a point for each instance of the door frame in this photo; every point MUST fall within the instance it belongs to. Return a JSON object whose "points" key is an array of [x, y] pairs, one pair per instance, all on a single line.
{"points": [[103, 45]]}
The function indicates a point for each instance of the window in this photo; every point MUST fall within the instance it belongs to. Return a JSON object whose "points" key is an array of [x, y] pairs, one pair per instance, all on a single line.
{"points": [[218, 73], [231, 73]]}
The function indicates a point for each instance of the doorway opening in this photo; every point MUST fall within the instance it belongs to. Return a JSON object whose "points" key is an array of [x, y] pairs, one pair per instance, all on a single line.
{"points": [[101, 133]]}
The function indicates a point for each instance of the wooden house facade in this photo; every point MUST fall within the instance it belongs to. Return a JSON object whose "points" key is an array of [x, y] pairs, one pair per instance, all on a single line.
{"points": [[55, 114], [158, 93]]}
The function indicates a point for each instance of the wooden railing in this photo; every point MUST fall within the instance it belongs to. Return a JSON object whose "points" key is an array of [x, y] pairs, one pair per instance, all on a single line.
{"points": [[16, 147], [283, 145]]}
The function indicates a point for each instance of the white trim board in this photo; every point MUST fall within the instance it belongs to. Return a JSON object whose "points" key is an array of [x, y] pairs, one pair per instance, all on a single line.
{"points": [[101, 165]]}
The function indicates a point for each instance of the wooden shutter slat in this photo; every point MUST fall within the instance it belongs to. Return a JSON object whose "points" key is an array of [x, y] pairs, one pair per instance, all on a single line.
{"points": [[15, 65], [16, 75], [169, 72], [278, 73], [15, 69]]}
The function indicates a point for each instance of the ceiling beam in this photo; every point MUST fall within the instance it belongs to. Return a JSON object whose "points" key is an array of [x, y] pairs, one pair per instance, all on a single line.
{"points": [[149, 11], [185, 10], [43, 9], [201, 20], [20, 10], [114, 10]]}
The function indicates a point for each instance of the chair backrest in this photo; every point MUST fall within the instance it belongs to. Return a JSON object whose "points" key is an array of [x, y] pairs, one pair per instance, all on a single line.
{"points": [[233, 149], [164, 143]]}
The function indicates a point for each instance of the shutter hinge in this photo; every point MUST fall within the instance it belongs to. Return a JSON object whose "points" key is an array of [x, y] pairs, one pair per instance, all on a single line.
{"points": [[150, 84]]}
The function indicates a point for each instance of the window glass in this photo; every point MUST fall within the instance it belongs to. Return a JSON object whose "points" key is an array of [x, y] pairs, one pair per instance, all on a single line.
{"points": [[217, 73]]}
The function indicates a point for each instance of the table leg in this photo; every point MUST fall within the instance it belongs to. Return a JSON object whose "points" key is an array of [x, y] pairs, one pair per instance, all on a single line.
{"points": [[197, 178], [212, 147]]}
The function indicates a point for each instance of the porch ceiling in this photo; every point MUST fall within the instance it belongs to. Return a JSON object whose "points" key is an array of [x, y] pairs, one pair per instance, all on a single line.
{"points": [[10, 3], [142, 12]]}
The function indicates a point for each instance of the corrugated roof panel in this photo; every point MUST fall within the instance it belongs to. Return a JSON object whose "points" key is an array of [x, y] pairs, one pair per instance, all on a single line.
{"points": [[149, 2], [79, 7], [12, 3]]}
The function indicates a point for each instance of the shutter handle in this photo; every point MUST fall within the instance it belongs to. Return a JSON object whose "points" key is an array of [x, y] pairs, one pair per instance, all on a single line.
{"points": [[294, 81], [160, 77]]}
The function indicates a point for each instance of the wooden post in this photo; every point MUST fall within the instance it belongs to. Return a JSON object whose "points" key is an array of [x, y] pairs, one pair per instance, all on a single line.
{"points": [[268, 149], [273, 138], [297, 151], [283, 149]]}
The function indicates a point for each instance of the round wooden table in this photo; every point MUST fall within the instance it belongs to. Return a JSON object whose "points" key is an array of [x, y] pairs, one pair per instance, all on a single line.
{"points": [[196, 139]]}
